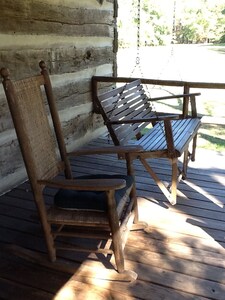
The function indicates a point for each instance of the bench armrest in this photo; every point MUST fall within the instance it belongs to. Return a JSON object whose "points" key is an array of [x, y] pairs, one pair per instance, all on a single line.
{"points": [[174, 96], [145, 120], [191, 96]]}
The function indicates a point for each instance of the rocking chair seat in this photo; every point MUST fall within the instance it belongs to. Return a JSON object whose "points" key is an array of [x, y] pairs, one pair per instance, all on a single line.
{"points": [[92, 200]]}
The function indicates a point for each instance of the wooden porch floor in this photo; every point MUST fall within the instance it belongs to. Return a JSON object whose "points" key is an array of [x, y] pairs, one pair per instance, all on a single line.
{"points": [[181, 256]]}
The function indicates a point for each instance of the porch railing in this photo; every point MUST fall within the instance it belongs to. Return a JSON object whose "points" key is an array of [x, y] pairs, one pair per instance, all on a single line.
{"points": [[187, 85]]}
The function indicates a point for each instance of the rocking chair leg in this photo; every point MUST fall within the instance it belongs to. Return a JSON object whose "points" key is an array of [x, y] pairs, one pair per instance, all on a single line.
{"points": [[46, 228], [116, 236], [130, 171], [135, 205], [118, 252]]}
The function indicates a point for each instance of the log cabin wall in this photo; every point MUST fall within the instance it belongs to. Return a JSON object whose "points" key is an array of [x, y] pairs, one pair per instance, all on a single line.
{"points": [[76, 40]]}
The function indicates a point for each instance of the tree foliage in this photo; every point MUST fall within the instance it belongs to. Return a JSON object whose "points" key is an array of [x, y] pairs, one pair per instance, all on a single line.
{"points": [[179, 21]]}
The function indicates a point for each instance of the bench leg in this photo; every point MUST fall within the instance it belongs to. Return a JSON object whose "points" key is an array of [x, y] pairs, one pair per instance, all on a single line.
{"points": [[185, 164], [172, 194], [194, 144]]}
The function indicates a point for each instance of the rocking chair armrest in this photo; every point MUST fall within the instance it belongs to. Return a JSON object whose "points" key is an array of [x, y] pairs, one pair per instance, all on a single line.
{"points": [[106, 150], [145, 120], [85, 184]]}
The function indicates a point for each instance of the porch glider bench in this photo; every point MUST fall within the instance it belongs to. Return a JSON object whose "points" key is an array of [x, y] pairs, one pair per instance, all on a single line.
{"points": [[130, 119]]}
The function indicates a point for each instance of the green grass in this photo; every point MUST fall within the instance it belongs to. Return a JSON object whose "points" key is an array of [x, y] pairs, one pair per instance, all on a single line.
{"points": [[212, 137]]}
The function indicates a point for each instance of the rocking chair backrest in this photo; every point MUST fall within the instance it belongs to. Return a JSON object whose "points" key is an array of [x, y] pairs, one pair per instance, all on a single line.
{"points": [[38, 144]]}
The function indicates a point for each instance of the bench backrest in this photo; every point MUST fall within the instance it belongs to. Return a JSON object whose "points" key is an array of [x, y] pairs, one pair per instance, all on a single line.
{"points": [[125, 102]]}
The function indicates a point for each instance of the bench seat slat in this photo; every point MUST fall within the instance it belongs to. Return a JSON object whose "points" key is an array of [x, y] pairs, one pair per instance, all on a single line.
{"points": [[183, 131], [187, 133]]}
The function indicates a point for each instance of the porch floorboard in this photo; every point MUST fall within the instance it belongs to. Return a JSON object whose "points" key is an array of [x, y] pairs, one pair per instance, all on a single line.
{"points": [[179, 256]]}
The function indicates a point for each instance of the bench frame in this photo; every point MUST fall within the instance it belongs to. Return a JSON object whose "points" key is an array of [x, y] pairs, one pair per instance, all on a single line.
{"points": [[126, 111]]}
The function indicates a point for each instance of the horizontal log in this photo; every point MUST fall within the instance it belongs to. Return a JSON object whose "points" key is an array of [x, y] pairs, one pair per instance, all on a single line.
{"points": [[59, 60], [40, 27], [10, 152], [27, 41], [78, 126], [5, 122], [59, 12]]}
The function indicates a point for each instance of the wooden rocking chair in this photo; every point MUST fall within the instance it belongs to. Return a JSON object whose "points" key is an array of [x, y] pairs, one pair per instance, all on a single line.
{"points": [[95, 206]]}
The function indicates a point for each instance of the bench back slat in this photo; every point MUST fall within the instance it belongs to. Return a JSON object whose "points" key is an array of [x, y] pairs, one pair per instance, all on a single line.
{"points": [[124, 133], [125, 102]]}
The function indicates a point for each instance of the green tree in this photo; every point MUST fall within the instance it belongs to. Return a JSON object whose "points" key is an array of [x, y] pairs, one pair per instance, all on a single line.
{"points": [[194, 21], [222, 23], [200, 21], [155, 27]]}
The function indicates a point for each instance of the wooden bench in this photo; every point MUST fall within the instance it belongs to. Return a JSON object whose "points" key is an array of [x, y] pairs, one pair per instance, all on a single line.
{"points": [[128, 114]]}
